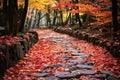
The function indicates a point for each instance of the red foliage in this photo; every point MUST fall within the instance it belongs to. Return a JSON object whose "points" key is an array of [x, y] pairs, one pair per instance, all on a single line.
{"points": [[8, 40], [43, 54], [96, 8]]}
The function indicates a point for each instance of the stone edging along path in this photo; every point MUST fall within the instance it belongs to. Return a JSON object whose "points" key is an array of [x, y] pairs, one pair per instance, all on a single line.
{"points": [[60, 57], [113, 49], [12, 52]]}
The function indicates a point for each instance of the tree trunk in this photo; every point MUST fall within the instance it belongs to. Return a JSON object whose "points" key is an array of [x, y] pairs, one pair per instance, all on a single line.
{"points": [[48, 19], [48, 16], [77, 14], [15, 18], [78, 18], [55, 16], [6, 19], [16, 5], [68, 19], [39, 18], [115, 15], [21, 28], [10, 13], [61, 17], [10, 17]]}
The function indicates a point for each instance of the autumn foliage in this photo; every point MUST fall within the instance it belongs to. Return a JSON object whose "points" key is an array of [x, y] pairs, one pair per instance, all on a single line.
{"points": [[44, 53]]}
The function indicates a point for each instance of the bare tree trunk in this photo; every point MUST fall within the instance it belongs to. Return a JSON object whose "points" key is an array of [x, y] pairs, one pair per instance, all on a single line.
{"points": [[16, 5], [21, 28], [10, 17], [39, 18], [55, 16], [61, 17], [11, 12], [77, 14], [6, 19], [68, 19], [114, 16], [48, 17]]}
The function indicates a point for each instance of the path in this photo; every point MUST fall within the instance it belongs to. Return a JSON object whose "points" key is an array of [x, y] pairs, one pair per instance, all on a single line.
{"points": [[60, 57]]}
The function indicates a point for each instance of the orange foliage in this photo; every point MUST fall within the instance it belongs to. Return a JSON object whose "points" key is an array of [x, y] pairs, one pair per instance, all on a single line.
{"points": [[85, 7], [65, 1], [103, 14]]}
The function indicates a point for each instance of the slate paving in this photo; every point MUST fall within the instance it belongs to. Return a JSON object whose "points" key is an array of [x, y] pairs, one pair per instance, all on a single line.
{"points": [[75, 65], [100, 76], [74, 68], [107, 72], [86, 72], [53, 66], [39, 74], [67, 75], [52, 78], [83, 66], [111, 78]]}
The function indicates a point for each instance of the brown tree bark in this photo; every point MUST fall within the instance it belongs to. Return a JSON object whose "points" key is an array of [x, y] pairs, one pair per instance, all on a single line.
{"points": [[67, 19], [55, 17], [115, 15], [61, 17], [6, 19], [13, 18], [77, 14], [21, 27], [16, 4], [10, 13]]}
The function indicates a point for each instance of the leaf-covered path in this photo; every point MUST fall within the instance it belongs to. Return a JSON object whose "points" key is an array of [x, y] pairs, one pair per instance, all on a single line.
{"points": [[58, 56]]}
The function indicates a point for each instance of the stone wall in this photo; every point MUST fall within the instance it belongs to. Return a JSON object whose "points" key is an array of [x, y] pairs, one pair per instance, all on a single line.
{"points": [[11, 54], [112, 47]]}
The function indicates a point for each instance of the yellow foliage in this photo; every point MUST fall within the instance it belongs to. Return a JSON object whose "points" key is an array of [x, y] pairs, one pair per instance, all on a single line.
{"points": [[20, 3], [41, 5]]}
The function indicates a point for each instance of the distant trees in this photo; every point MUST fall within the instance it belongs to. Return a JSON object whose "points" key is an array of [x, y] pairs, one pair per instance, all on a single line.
{"points": [[14, 22], [77, 14], [75, 8]]}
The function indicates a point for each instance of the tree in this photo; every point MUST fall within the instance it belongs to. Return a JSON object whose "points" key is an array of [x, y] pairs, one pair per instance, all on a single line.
{"points": [[77, 14], [115, 16], [12, 22], [23, 16], [6, 21], [41, 5]]}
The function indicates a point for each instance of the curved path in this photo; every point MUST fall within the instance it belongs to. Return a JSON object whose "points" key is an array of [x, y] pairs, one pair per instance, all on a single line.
{"points": [[61, 57]]}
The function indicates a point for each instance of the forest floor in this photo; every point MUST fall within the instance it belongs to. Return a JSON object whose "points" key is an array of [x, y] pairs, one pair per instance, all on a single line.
{"points": [[98, 33], [61, 57]]}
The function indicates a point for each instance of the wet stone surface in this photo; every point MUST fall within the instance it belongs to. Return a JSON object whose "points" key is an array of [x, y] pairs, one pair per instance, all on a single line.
{"points": [[77, 61], [82, 66], [78, 54], [100, 76], [82, 55], [67, 75], [39, 74], [74, 66], [89, 63], [66, 58], [69, 64], [86, 72], [52, 78], [107, 72], [111, 78], [52, 66]]}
